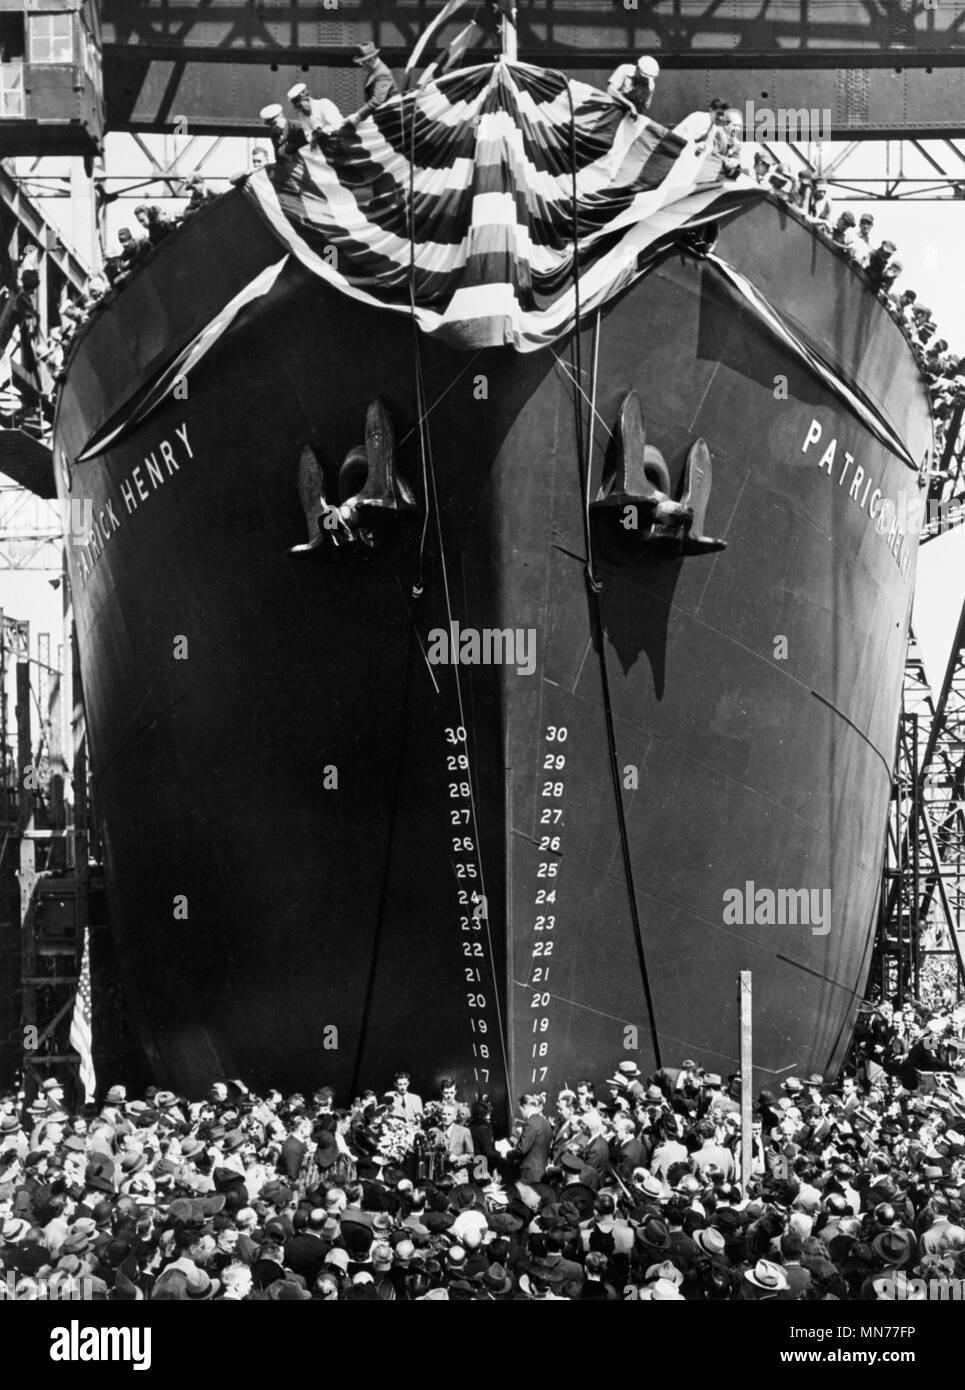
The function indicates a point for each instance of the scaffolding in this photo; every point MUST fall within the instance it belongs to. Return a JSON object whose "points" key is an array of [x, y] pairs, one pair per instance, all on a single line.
{"points": [[920, 921], [44, 869]]}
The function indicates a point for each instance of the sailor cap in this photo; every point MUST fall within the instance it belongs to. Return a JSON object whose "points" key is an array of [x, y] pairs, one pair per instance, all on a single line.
{"points": [[298, 90], [648, 67], [268, 113]]}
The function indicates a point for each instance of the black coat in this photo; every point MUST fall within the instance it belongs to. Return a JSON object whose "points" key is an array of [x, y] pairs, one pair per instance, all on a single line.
{"points": [[292, 1156], [305, 1255], [483, 1141], [534, 1147]]}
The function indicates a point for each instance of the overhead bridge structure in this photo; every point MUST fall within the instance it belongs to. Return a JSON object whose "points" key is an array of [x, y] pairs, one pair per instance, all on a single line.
{"points": [[882, 68]]}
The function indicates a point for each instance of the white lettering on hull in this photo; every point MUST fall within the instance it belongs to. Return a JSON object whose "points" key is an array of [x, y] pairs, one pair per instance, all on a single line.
{"points": [[135, 493], [893, 520]]}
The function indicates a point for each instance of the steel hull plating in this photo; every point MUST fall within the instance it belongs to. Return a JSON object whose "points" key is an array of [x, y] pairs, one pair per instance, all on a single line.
{"points": [[293, 842]]}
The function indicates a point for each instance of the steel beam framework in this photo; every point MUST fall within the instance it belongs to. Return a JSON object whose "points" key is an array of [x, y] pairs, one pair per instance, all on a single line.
{"points": [[877, 67], [681, 29], [922, 911]]}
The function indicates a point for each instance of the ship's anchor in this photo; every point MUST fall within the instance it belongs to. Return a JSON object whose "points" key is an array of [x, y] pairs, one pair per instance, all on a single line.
{"points": [[376, 498], [635, 495]]}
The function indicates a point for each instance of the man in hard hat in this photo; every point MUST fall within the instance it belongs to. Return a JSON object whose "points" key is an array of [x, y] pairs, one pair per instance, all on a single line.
{"points": [[632, 85], [316, 116]]}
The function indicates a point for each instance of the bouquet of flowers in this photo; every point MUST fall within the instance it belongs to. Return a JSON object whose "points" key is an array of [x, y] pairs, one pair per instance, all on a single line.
{"points": [[396, 1137], [432, 1115]]}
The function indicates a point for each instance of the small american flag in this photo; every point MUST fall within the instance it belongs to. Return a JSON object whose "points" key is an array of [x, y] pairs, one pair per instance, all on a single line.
{"points": [[80, 1031]]}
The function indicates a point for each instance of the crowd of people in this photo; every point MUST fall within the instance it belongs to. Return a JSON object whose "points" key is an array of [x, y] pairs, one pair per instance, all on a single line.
{"points": [[631, 1189]]}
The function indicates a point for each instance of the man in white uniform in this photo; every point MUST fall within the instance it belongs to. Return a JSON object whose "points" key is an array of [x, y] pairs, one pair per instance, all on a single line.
{"points": [[315, 116], [632, 85]]}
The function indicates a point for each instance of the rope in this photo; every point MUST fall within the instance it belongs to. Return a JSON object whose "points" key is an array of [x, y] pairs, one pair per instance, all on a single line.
{"points": [[595, 587], [588, 475], [406, 724], [429, 487], [583, 460], [421, 413]]}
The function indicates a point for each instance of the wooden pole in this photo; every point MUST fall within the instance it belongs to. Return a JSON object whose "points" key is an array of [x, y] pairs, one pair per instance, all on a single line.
{"points": [[747, 1077]]}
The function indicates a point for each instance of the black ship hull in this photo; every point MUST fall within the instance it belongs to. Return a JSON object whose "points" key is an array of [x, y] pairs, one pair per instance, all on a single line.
{"points": [[299, 805]]}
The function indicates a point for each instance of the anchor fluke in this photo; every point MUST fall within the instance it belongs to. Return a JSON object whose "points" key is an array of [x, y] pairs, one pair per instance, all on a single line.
{"points": [[368, 514], [636, 492], [311, 491], [698, 479]]}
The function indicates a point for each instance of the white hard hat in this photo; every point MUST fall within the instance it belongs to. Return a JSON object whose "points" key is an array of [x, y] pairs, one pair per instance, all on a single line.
{"points": [[298, 90], [268, 113], [648, 67]]}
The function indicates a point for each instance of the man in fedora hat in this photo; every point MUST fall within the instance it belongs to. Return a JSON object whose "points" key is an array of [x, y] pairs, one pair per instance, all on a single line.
{"points": [[710, 1242], [53, 1093], [894, 1247], [765, 1282], [378, 83], [496, 1285], [627, 1081]]}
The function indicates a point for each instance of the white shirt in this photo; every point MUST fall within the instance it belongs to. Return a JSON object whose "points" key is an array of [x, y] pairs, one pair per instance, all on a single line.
{"points": [[622, 79], [408, 1106], [860, 249], [324, 115], [626, 82]]}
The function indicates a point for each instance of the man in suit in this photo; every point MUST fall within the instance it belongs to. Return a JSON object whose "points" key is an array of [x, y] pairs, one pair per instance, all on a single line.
{"points": [[379, 84], [293, 1151], [305, 1251], [406, 1105], [535, 1140], [569, 1131], [596, 1154], [456, 1138], [628, 1150], [711, 1154]]}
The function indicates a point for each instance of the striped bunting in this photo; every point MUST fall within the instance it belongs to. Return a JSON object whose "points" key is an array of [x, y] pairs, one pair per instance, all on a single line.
{"points": [[489, 154]]}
